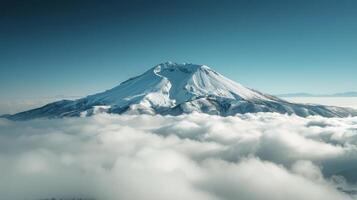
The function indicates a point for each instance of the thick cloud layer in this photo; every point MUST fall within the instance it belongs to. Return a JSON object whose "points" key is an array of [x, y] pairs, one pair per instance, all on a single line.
{"points": [[201, 157]]}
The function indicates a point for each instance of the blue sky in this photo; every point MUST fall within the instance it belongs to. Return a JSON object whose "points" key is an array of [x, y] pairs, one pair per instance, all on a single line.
{"points": [[50, 48]]}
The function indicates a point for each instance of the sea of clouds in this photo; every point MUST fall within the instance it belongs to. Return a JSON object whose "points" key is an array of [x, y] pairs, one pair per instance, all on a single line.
{"points": [[196, 156]]}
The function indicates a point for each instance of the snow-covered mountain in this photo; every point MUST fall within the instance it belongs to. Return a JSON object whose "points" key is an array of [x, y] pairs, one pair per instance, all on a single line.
{"points": [[174, 89]]}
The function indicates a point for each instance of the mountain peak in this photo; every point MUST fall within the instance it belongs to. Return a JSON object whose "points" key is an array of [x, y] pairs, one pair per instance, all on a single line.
{"points": [[183, 67]]}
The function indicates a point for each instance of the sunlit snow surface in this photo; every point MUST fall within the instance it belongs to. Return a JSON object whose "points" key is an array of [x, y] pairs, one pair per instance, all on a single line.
{"points": [[196, 156]]}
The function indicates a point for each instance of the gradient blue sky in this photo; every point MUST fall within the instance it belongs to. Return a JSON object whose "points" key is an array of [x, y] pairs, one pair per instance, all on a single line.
{"points": [[50, 48]]}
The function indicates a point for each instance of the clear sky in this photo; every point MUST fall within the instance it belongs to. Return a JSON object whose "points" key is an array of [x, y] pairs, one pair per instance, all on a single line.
{"points": [[50, 48]]}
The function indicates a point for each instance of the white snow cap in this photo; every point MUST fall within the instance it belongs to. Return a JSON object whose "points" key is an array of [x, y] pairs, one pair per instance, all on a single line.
{"points": [[189, 80]]}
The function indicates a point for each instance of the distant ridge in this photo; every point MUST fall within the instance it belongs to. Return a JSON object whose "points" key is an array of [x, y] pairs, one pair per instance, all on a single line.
{"points": [[302, 94]]}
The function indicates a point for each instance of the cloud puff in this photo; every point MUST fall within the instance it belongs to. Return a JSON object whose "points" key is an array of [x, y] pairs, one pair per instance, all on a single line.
{"points": [[196, 156]]}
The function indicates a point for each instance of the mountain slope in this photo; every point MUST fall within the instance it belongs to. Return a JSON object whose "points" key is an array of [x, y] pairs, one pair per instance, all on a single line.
{"points": [[173, 89]]}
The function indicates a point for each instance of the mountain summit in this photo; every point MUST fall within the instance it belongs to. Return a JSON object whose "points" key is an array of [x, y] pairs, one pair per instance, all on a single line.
{"points": [[173, 89]]}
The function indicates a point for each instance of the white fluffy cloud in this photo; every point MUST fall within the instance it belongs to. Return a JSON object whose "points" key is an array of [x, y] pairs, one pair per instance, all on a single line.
{"points": [[247, 157]]}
